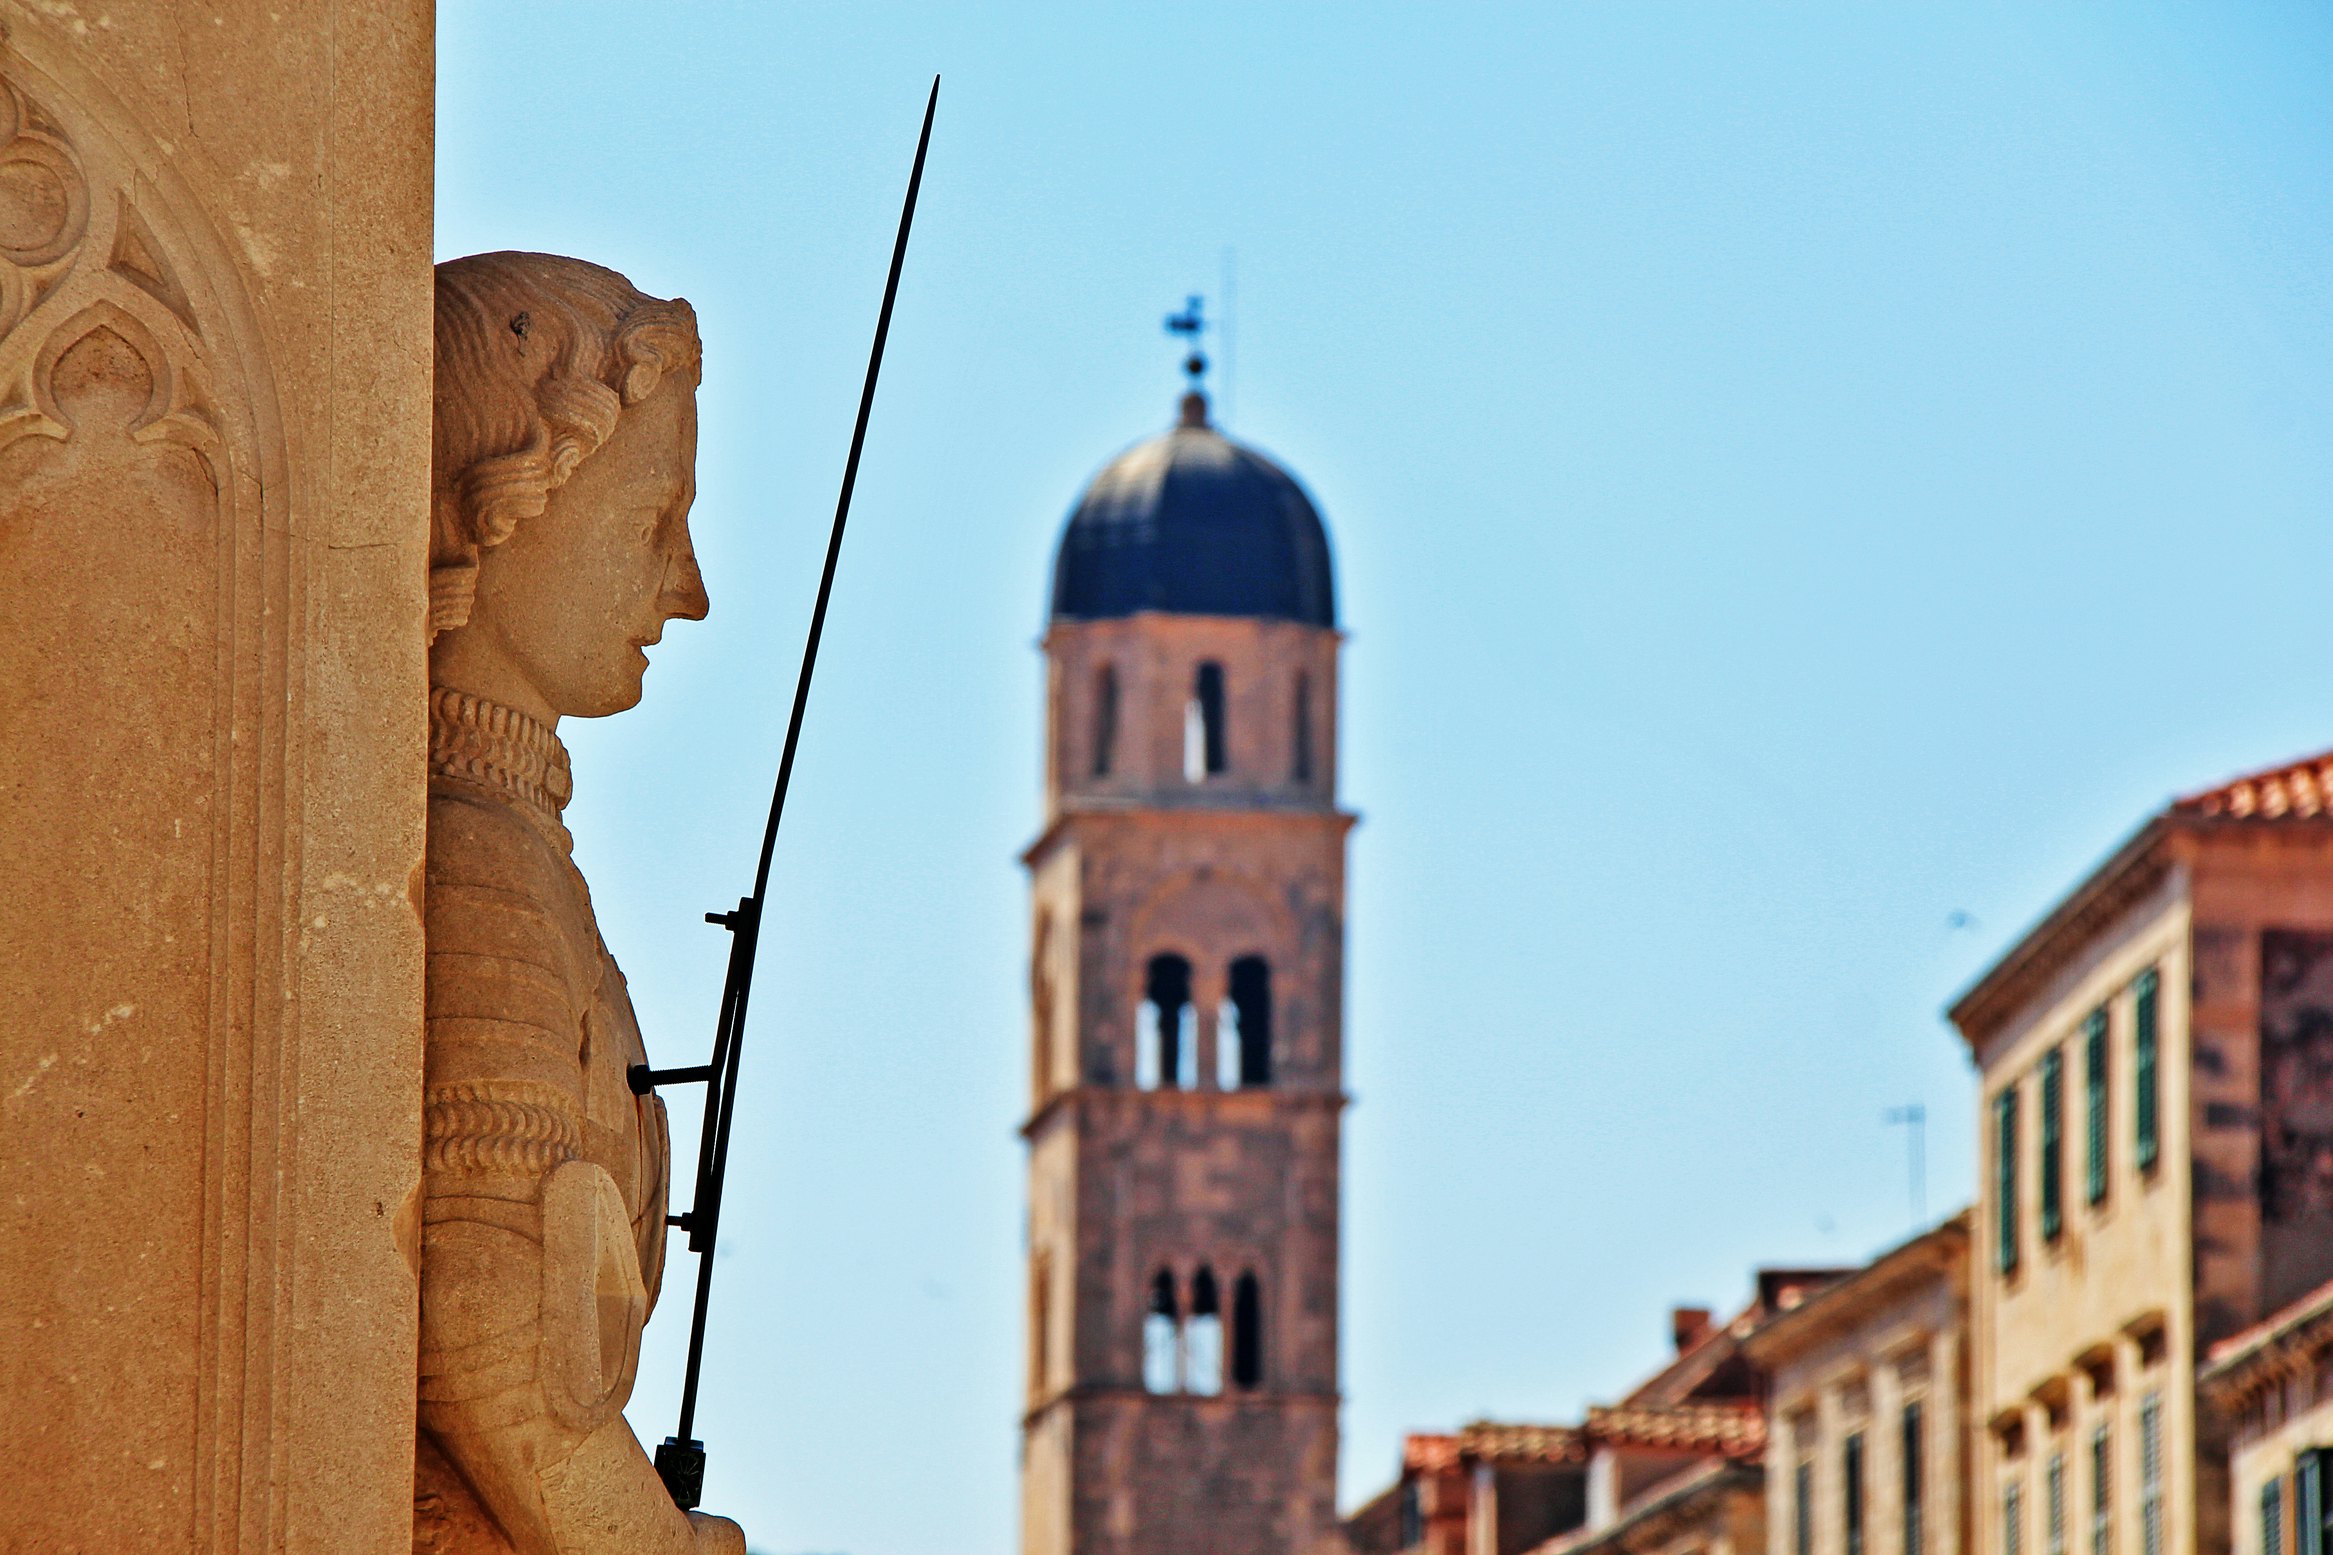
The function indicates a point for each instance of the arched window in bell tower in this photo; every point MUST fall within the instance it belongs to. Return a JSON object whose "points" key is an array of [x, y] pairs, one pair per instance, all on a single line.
{"points": [[1243, 1031], [1105, 719], [1041, 1010], [1166, 1047], [1300, 741], [1247, 1332], [1203, 1338], [1205, 748], [1162, 1337], [1040, 1322]]}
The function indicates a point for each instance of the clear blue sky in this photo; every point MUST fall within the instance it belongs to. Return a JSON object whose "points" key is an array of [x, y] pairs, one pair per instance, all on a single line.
{"points": [[1798, 473]]}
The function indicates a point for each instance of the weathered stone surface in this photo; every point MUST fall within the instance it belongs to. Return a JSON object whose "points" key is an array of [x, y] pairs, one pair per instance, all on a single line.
{"points": [[214, 391], [1222, 1179], [563, 473]]}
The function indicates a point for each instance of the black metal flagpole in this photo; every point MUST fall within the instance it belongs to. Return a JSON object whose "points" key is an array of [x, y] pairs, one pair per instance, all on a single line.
{"points": [[680, 1461]]}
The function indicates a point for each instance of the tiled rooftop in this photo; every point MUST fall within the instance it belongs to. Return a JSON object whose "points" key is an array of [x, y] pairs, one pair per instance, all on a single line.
{"points": [[2300, 789], [2299, 1325], [1488, 1439], [1736, 1431], [1425, 1452]]}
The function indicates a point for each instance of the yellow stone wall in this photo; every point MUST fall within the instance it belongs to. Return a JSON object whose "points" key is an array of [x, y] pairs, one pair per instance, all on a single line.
{"points": [[1857, 1374], [2117, 1308], [2115, 1267], [215, 336]]}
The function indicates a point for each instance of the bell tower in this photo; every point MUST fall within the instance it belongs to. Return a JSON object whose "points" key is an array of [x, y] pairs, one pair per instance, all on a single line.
{"points": [[1186, 983]]}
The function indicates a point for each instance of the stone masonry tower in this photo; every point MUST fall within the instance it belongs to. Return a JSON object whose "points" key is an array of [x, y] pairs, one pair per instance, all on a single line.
{"points": [[1186, 982]]}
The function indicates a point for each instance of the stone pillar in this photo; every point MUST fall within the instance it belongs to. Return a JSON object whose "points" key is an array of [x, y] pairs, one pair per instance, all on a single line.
{"points": [[1883, 1454], [1828, 1498], [215, 341], [1946, 1496]]}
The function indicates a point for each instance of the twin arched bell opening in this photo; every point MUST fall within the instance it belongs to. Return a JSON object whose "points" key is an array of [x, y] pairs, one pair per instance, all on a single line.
{"points": [[1166, 1027], [1184, 1349]]}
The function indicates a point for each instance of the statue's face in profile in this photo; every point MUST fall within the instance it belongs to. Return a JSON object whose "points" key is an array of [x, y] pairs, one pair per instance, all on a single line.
{"points": [[569, 603]]}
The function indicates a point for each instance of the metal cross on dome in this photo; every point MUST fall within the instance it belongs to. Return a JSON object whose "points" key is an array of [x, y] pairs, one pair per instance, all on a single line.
{"points": [[1190, 324]]}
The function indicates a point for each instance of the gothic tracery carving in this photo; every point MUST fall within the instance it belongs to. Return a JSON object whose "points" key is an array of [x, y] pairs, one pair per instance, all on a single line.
{"points": [[44, 203], [118, 334]]}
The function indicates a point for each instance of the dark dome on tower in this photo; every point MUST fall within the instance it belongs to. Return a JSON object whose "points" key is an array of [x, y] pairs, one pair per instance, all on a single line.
{"points": [[1194, 524]]}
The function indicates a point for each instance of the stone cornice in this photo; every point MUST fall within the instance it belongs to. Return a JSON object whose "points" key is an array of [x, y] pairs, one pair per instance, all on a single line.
{"points": [[1665, 1513], [1933, 1253], [1259, 1098], [1239, 808], [2288, 1343], [2128, 875], [1229, 1401]]}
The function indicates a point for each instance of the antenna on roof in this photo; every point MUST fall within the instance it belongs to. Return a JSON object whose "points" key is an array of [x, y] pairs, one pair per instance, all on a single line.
{"points": [[1914, 1119]]}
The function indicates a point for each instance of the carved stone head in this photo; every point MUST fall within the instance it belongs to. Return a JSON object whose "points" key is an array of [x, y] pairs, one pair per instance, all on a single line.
{"points": [[561, 478]]}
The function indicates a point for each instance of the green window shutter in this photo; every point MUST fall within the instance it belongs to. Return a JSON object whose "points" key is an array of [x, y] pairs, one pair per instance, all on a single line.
{"points": [[1913, 1460], [2094, 1104], [2054, 1510], [2308, 1513], [1851, 1486], [2149, 1087], [2151, 1474], [2272, 1518], [2005, 1178], [1802, 1508], [2101, 1492], [2053, 1143]]}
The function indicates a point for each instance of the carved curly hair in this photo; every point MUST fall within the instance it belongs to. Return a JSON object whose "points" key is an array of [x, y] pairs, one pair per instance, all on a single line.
{"points": [[536, 357]]}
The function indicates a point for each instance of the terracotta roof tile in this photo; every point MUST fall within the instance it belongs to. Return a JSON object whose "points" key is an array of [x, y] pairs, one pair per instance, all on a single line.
{"points": [[1428, 1453], [1489, 1439], [1733, 1430], [2300, 790]]}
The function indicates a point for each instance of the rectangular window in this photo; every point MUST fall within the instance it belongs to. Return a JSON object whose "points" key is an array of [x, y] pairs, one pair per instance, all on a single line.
{"points": [[2308, 1513], [1204, 753], [2094, 1105], [2148, 1040], [1915, 1462], [1851, 1483], [2053, 1143], [2013, 1519], [1300, 765], [2101, 1492], [2151, 1474], [2055, 1510], [2272, 1518], [1040, 1322], [2005, 1177], [1802, 1508]]}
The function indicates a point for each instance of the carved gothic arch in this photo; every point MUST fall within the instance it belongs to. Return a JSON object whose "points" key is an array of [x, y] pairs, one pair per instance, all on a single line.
{"points": [[126, 329]]}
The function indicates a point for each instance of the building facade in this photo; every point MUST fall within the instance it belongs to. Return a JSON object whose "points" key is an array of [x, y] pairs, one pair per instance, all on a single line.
{"points": [[2153, 1060], [1867, 1405], [1487, 1489], [1675, 1467], [1186, 984], [2273, 1385]]}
